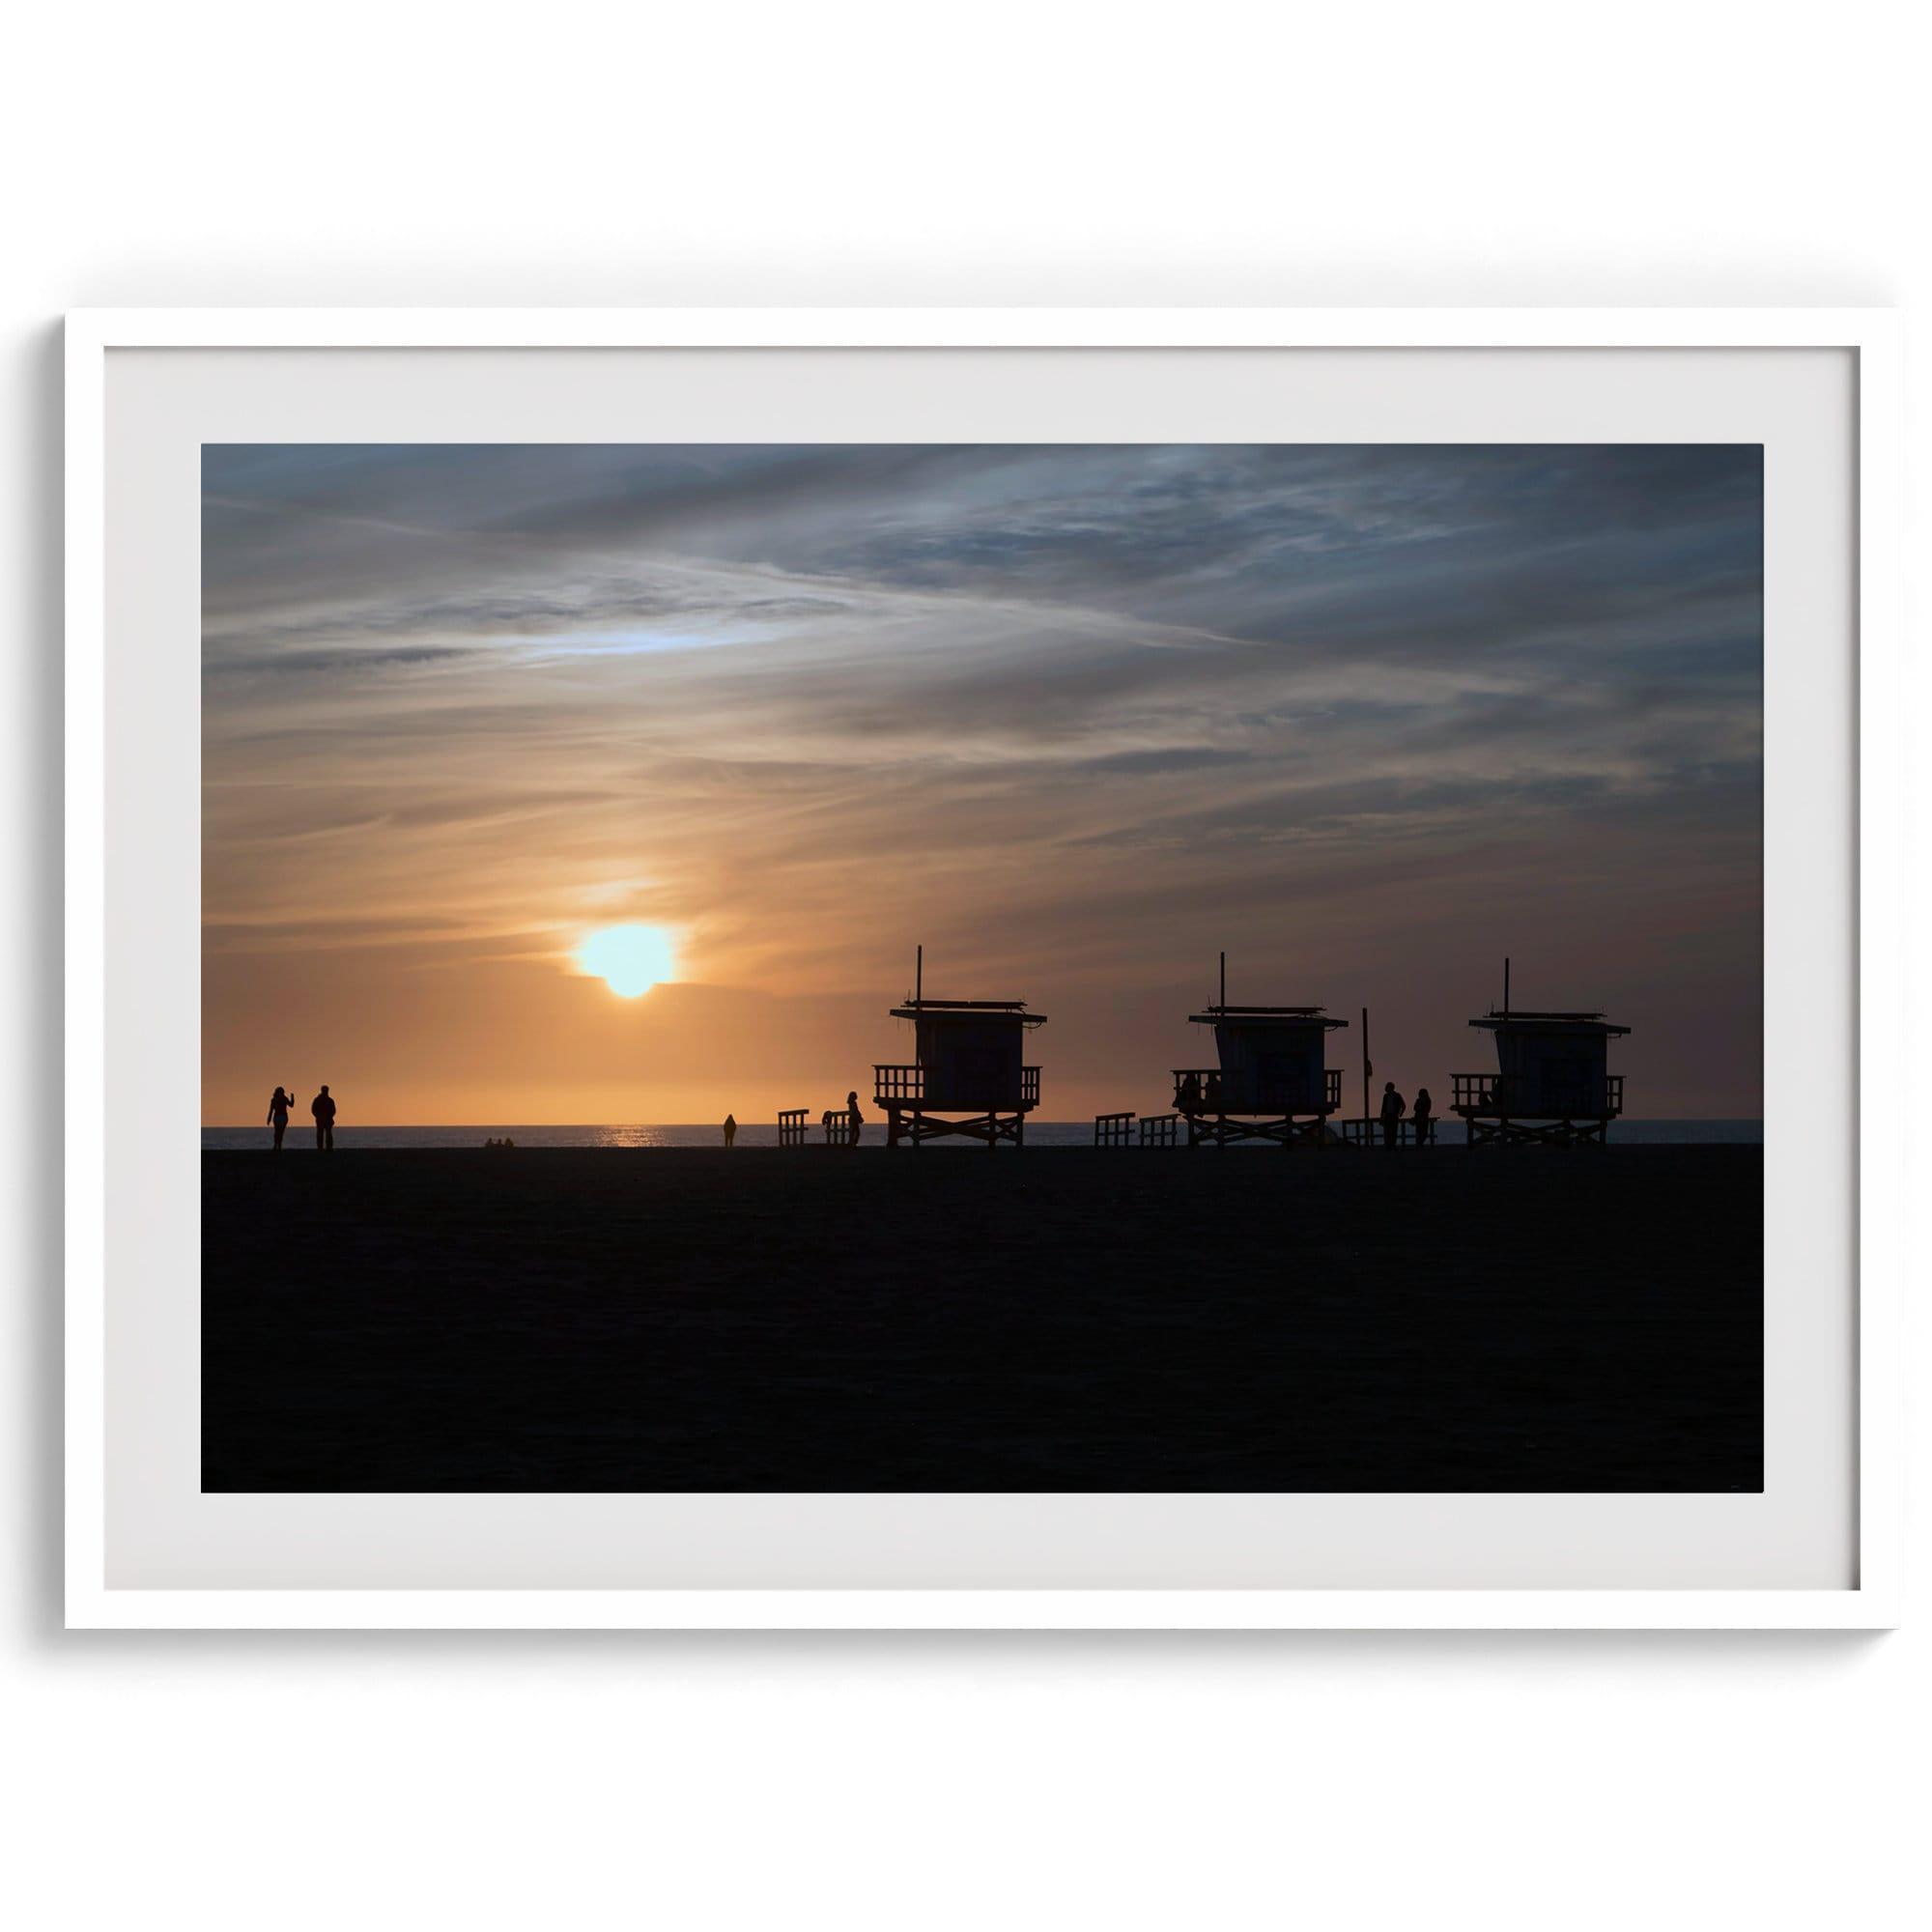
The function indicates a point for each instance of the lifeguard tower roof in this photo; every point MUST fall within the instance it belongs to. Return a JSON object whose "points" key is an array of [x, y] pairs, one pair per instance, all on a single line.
{"points": [[1297, 1016], [1554, 1022], [939, 1009]]}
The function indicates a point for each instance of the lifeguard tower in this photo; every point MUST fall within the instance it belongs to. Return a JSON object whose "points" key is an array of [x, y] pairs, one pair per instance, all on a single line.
{"points": [[1553, 1083], [1273, 1082], [969, 1056]]}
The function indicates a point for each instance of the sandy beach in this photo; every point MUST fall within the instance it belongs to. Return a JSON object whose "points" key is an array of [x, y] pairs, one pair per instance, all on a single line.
{"points": [[1056, 1320]]}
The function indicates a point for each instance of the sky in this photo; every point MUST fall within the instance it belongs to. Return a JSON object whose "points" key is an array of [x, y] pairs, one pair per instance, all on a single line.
{"points": [[1075, 717]]}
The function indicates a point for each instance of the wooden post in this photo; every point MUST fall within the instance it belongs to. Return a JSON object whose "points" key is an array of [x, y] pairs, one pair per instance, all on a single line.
{"points": [[1224, 983], [1367, 1068], [1506, 985]]}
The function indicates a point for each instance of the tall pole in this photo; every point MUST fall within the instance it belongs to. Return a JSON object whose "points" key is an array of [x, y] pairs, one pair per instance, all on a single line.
{"points": [[1367, 1066], [1506, 985], [917, 974], [1224, 983]]}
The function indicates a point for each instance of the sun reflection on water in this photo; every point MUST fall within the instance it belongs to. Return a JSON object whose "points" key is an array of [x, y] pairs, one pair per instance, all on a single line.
{"points": [[632, 1137]]}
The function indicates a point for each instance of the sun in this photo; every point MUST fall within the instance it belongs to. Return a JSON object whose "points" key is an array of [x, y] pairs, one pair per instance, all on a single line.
{"points": [[630, 959]]}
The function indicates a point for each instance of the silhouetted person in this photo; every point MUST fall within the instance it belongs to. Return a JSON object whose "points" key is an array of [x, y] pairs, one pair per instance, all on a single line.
{"points": [[1393, 1110], [1212, 1096], [853, 1119], [1424, 1115], [324, 1110], [1189, 1095], [278, 1115], [730, 1129]]}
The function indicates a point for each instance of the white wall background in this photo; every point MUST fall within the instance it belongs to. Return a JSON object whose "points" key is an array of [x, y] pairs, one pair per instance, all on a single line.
{"points": [[838, 153]]}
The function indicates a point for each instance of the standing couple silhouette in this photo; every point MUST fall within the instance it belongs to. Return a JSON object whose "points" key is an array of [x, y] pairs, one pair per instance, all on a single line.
{"points": [[321, 1107]]}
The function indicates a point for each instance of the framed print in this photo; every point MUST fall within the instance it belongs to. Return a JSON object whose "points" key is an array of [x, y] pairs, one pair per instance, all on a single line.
{"points": [[983, 969]]}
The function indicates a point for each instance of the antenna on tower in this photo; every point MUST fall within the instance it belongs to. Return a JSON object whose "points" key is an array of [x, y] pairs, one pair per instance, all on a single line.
{"points": [[1506, 985], [917, 973], [1224, 980]]}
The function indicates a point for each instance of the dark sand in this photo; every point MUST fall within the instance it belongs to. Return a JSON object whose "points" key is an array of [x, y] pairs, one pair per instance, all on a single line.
{"points": [[950, 1320]]}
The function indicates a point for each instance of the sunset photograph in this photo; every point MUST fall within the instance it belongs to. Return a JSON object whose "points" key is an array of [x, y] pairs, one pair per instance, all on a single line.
{"points": [[1046, 891], [640, 883]]}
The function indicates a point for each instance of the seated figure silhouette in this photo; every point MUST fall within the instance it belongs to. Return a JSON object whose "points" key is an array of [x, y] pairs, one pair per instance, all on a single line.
{"points": [[1189, 1096], [1210, 1097], [324, 1110], [278, 1115], [1393, 1109]]}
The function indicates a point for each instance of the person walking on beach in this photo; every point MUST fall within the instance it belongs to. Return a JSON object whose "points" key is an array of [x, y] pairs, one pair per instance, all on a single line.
{"points": [[1393, 1110], [730, 1129], [278, 1115], [324, 1110], [854, 1119], [1424, 1115]]}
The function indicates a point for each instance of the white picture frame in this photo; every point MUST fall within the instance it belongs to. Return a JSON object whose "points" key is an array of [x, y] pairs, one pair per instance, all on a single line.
{"points": [[1882, 1234]]}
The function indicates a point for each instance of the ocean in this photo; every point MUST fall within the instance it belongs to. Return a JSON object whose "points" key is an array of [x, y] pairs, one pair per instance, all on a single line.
{"points": [[765, 1134]]}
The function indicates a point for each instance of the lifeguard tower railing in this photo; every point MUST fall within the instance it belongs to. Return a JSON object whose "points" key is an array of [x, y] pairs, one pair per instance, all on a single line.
{"points": [[962, 1094], [1589, 1098], [1216, 1092]]}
